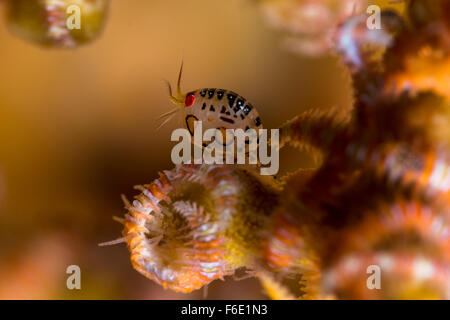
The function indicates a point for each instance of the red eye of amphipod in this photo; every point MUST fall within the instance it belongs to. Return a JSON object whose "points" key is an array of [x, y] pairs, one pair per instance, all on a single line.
{"points": [[189, 100]]}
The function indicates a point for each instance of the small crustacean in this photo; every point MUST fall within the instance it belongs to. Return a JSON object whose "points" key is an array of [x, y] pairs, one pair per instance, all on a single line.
{"points": [[217, 109]]}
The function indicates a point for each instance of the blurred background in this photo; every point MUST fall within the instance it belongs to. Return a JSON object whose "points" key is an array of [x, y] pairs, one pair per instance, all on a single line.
{"points": [[78, 128]]}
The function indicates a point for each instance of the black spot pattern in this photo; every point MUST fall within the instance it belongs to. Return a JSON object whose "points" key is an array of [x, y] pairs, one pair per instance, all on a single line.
{"points": [[247, 109], [231, 99], [240, 103], [236, 104], [227, 120], [220, 94]]}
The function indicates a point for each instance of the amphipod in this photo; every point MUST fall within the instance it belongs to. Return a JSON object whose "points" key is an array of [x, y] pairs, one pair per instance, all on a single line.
{"points": [[217, 109]]}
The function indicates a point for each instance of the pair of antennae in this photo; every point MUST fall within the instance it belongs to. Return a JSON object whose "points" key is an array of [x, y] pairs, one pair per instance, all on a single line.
{"points": [[178, 83], [178, 100]]}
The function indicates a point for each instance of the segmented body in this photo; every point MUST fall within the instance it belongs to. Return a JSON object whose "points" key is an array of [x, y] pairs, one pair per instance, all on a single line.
{"points": [[220, 109], [217, 109]]}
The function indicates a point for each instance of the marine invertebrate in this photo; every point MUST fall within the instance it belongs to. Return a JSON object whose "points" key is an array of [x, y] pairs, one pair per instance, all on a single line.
{"points": [[380, 195], [46, 21], [217, 109]]}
